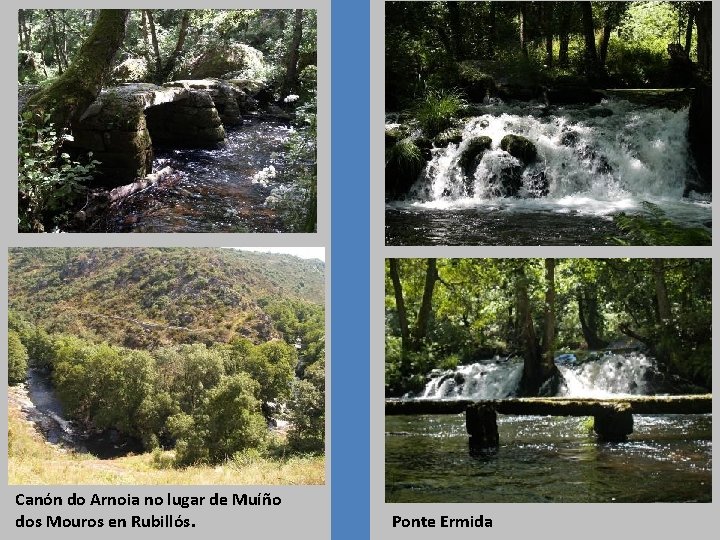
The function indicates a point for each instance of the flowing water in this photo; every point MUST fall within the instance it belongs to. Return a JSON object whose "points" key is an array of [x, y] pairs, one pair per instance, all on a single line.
{"points": [[223, 190], [46, 412], [667, 458], [592, 163]]}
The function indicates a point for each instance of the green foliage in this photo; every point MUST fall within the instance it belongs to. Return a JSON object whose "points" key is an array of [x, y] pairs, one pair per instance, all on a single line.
{"points": [[17, 359], [437, 110], [306, 411], [233, 418], [475, 312], [273, 363], [49, 180], [655, 229], [406, 156]]}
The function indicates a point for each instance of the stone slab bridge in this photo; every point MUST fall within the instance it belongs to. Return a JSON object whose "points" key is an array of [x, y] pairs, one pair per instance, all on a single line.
{"points": [[124, 122], [613, 417]]}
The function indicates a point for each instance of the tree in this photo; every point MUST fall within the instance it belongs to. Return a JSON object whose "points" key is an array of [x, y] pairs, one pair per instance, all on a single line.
{"points": [[704, 36], [163, 70], [272, 364], [290, 82], [591, 59], [399, 303], [232, 418], [17, 359], [73, 92]]}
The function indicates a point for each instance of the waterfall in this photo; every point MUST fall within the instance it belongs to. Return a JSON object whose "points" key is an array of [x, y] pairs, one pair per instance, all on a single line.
{"points": [[594, 161], [487, 379], [608, 375], [602, 376]]}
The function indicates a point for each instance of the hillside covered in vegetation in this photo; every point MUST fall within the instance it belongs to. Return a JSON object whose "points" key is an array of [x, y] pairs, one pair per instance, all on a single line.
{"points": [[196, 355]]}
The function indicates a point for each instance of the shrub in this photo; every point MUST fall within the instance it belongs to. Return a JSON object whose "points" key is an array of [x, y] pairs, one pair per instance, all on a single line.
{"points": [[437, 109], [49, 180], [17, 359]]}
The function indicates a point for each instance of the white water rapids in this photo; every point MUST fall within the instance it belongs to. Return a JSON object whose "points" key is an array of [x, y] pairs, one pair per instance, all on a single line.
{"points": [[597, 161], [605, 376]]}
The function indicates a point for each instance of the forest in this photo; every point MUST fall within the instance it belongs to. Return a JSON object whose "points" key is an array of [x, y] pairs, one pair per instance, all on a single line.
{"points": [[190, 357], [547, 108], [444, 313], [128, 118]]}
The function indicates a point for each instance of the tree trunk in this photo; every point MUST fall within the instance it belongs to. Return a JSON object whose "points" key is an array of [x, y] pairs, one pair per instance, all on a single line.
{"points": [[523, 35], [73, 92], [423, 319], [661, 296], [492, 23], [153, 37], [688, 32], [532, 364], [549, 347], [547, 8], [590, 318], [400, 304], [704, 36], [604, 41], [291, 76], [455, 24], [564, 33], [146, 38], [591, 59], [164, 74]]}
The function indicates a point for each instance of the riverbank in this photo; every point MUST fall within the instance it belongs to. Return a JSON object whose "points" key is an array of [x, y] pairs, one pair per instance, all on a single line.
{"points": [[32, 460]]}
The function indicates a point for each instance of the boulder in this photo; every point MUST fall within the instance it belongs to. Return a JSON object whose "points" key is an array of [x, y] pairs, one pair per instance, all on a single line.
{"points": [[471, 156], [225, 60], [450, 135], [130, 70], [519, 147]]}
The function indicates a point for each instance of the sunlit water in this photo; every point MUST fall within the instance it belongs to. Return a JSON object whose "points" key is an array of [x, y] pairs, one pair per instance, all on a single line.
{"points": [[598, 161], [221, 190], [545, 458], [548, 459]]}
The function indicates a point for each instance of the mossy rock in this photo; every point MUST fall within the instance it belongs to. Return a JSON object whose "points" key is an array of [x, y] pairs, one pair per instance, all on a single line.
{"points": [[519, 147], [235, 60], [473, 153], [395, 134], [130, 70], [451, 135]]}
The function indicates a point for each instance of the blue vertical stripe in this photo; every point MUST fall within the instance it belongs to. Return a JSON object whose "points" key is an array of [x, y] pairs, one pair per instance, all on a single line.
{"points": [[350, 229]]}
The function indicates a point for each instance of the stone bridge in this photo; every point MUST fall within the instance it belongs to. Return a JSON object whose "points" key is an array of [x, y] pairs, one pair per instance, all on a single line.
{"points": [[613, 417], [124, 122]]}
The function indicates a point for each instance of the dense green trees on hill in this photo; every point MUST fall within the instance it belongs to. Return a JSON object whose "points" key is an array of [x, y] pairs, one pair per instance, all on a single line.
{"points": [[445, 312], [209, 399]]}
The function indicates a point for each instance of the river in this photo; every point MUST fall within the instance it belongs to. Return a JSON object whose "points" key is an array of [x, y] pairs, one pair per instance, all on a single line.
{"points": [[46, 412], [667, 458], [224, 190], [597, 161]]}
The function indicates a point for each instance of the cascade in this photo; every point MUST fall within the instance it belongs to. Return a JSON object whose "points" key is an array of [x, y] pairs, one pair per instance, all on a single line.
{"points": [[608, 375], [604, 376], [592, 161], [487, 379]]}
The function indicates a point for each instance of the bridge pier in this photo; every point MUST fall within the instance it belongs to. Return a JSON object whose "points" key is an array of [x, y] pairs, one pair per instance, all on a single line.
{"points": [[614, 423], [481, 425]]}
